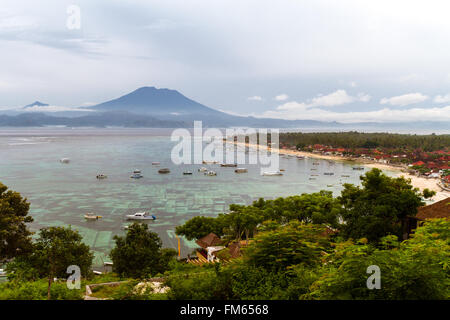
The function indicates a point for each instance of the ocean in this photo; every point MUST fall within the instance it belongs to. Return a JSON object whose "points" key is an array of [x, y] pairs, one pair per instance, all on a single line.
{"points": [[60, 194]]}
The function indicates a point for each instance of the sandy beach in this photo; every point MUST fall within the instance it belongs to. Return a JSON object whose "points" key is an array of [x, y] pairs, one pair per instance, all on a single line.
{"points": [[418, 182]]}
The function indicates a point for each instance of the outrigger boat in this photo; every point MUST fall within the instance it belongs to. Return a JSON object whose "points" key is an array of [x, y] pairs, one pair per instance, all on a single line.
{"points": [[140, 216], [91, 216], [272, 173], [228, 165]]}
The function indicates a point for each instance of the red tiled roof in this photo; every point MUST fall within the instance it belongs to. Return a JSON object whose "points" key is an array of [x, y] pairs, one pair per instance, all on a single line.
{"points": [[440, 209]]}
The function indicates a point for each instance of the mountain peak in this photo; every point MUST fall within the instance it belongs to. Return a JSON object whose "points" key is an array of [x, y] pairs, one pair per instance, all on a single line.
{"points": [[36, 104], [152, 100]]}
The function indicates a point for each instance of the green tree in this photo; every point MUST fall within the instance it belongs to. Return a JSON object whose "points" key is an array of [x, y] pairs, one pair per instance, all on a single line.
{"points": [[417, 268], [15, 238], [292, 244], [379, 208], [199, 227], [139, 254], [54, 251]]}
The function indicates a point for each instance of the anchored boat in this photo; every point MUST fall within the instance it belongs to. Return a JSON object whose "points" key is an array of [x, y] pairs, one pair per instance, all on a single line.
{"points": [[136, 174], [164, 170], [140, 216], [241, 170], [91, 216], [272, 173]]}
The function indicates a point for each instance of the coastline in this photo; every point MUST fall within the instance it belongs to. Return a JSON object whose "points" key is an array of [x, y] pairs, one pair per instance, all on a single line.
{"points": [[417, 182]]}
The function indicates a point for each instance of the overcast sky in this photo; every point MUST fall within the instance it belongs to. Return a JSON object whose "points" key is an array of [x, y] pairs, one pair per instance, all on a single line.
{"points": [[347, 60]]}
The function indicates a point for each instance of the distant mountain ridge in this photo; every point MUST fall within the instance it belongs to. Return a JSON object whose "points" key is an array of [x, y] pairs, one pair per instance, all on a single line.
{"points": [[153, 107]]}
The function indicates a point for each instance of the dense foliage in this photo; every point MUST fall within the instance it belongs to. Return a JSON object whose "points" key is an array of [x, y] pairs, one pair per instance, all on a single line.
{"points": [[15, 238], [354, 139], [139, 253]]}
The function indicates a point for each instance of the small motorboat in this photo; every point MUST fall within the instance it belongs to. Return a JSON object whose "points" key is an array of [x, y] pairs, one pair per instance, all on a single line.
{"points": [[241, 170], [272, 173], [210, 173], [136, 174], [187, 172], [156, 163], [358, 168], [164, 170], [228, 165], [202, 169], [140, 216], [64, 160], [91, 216], [300, 157], [101, 176], [328, 173]]}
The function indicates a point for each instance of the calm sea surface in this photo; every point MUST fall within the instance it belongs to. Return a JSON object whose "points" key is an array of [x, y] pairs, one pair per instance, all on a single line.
{"points": [[60, 194]]}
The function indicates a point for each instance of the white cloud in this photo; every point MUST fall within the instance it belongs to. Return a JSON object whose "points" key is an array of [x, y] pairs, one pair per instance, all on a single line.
{"points": [[36, 108], [404, 100], [255, 98], [339, 97], [442, 99], [299, 111], [281, 97]]}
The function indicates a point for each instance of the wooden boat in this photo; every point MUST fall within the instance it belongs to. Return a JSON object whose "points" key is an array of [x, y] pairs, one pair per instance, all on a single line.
{"points": [[241, 170], [228, 165], [210, 173], [358, 168], [328, 173], [202, 169], [91, 216], [156, 163], [164, 170]]}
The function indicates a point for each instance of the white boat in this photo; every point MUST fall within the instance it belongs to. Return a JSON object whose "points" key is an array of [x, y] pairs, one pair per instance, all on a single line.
{"points": [[210, 173], [101, 176], [240, 170], [272, 173], [140, 216], [2, 273], [64, 160], [300, 157], [91, 216], [202, 169], [136, 174]]}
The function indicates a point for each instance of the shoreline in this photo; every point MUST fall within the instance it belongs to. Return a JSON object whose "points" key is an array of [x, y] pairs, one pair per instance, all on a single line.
{"points": [[417, 182]]}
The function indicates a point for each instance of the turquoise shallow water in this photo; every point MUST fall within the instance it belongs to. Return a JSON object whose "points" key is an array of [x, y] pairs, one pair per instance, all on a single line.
{"points": [[60, 194]]}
